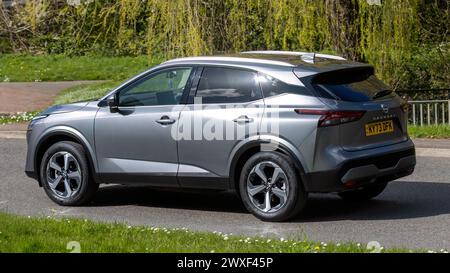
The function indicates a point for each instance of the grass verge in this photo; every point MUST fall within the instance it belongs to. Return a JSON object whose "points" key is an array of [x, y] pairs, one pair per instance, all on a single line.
{"points": [[17, 117], [85, 92], [22, 234], [431, 131], [28, 68]]}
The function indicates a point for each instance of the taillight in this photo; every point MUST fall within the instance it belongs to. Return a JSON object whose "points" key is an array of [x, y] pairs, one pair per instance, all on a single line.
{"points": [[330, 118]]}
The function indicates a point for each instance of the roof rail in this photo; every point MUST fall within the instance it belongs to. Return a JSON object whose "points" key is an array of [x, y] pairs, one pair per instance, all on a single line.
{"points": [[306, 56], [228, 59]]}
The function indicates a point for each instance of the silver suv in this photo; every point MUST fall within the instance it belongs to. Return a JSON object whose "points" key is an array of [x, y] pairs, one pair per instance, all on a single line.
{"points": [[271, 125]]}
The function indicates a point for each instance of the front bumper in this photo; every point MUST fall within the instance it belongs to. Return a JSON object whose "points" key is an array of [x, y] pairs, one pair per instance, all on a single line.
{"points": [[357, 172]]}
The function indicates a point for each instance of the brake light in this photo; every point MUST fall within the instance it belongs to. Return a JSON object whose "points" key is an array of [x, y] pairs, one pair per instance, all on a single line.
{"points": [[330, 118]]}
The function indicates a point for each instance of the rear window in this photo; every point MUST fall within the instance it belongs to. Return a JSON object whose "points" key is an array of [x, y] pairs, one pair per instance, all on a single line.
{"points": [[354, 86], [273, 87], [226, 85]]}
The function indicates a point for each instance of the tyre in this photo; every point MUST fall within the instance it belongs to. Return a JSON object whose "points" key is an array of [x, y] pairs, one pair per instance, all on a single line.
{"points": [[65, 176], [270, 187], [365, 193]]}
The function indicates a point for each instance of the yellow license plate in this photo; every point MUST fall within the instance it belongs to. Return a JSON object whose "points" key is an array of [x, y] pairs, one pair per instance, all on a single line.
{"points": [[380, 127]]}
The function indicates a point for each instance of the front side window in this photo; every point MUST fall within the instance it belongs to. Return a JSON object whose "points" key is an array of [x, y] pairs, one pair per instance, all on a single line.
{"points": [[162, 88], [227, 85]]}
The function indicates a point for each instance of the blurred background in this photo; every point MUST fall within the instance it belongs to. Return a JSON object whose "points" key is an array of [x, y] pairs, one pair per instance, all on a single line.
{"points": [[407, 41]]}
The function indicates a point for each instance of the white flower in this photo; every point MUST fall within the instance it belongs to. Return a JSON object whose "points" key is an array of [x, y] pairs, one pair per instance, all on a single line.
{"points": [[74, 3]]}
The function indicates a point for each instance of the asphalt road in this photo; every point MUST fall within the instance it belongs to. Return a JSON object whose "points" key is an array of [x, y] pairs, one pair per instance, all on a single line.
{"points": [[413, 212]]}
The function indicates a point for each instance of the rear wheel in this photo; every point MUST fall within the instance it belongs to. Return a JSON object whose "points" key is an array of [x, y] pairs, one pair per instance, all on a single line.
{"points": [[365, 193], [65, 175], [270, 187]]}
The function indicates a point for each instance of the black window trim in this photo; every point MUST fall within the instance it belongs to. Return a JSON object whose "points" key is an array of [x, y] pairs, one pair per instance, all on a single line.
{"points": [[202, 69]]}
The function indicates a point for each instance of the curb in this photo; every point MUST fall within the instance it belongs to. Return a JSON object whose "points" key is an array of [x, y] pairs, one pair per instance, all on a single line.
{"points": [[433, 152], [13, 134]]}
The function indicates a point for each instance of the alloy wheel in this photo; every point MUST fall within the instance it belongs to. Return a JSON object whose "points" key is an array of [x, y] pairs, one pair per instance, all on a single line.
{"points": [[64, 175], [267, 187]]}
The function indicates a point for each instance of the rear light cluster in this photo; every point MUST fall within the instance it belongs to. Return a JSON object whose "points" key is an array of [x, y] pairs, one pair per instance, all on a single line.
{"points": [[330, 117]]}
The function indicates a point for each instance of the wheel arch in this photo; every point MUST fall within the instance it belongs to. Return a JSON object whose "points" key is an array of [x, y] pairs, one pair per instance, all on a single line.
{"points": [[247, 150], [64, 134]]}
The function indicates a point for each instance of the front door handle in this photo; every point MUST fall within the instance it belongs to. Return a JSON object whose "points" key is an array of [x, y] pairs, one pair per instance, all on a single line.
{"points": [[165, 120], [243, 119]]}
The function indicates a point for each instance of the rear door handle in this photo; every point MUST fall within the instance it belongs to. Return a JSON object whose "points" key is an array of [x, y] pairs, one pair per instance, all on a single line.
{"points": [[165, 120], [243, 119]]}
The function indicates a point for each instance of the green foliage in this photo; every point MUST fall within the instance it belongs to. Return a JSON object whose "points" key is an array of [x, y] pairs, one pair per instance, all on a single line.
{"points": [[407, 41]]}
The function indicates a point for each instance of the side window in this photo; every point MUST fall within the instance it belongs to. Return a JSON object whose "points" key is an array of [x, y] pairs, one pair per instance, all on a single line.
{"points": [[226, 85], [162, 88], [272, 87]]}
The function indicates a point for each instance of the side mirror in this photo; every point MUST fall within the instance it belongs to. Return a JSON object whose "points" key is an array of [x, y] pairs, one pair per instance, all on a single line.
{"points": [[112, 101]]}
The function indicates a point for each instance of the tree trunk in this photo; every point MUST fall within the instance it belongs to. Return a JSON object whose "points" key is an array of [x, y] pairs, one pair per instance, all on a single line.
{"points": [[344, 27]]}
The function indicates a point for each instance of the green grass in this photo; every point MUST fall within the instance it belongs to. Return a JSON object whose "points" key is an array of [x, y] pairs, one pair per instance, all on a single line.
{"points": [[432, 131], [17, 117], [85, 92], [27, 68], [22, 234]]}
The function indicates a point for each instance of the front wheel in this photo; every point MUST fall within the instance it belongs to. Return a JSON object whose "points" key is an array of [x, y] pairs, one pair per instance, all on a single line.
{"points": [[365, 193], [270, 187], [65, 175]]}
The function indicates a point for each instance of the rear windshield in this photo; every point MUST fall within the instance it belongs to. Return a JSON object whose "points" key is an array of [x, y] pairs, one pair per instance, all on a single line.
{"points": [[355, 86]]}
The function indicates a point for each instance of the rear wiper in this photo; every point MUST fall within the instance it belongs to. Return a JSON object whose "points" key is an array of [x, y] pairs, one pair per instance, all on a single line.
{"points": [[381, 93]]}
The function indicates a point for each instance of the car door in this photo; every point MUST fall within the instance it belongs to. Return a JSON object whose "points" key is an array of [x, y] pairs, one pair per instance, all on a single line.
{"points": [[135, 142], [227, 108]]}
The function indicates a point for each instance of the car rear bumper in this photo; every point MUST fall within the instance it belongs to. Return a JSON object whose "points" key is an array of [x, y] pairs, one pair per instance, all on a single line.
{"points": [[360, 171]]}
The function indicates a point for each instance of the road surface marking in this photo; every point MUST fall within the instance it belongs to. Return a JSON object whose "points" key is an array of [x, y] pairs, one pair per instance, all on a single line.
{"points": [[59, 212]]}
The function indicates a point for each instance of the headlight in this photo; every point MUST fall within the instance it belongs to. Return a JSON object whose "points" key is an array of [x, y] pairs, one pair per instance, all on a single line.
{"points": [[35, 119], [38, 117]]}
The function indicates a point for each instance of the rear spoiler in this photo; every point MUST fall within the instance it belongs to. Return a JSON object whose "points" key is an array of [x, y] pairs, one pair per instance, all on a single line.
{"points": [[334, 71], [341, 76]]}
